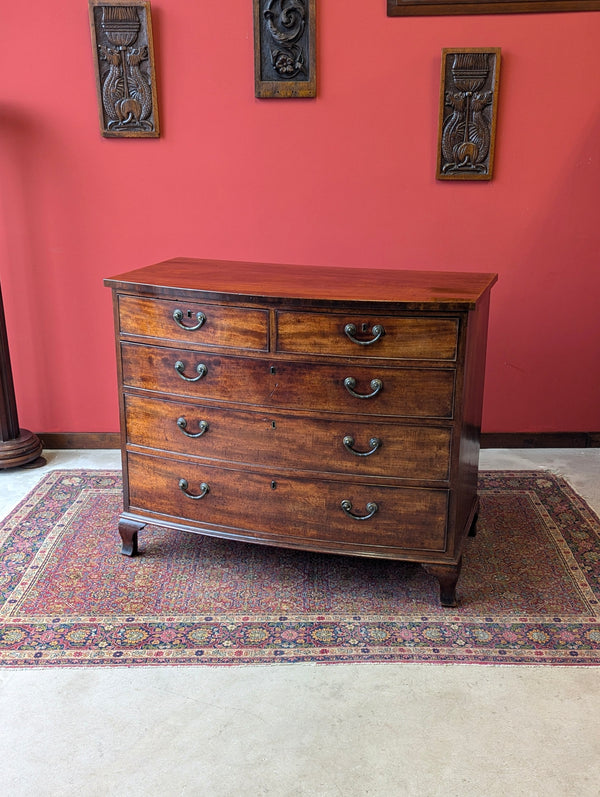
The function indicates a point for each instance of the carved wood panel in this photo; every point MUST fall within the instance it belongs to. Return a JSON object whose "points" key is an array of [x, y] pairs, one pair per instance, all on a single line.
{"points": [[124, 64], [412, 8], [284, 48], [468, 110]]}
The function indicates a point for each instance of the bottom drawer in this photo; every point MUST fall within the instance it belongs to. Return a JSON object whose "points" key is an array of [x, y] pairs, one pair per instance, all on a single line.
{"points": [[303, 511]]}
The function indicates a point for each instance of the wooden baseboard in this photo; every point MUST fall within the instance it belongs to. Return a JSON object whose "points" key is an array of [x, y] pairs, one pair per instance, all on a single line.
{"points": [[488, 440], [81, 440], [540, 440]]}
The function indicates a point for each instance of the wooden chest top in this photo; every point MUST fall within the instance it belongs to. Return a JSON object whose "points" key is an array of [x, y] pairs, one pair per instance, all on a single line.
{"points": [[224, 280]]}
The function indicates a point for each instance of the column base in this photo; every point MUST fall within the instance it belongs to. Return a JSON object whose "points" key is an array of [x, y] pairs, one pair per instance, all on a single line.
{"points": [[24, 450]]}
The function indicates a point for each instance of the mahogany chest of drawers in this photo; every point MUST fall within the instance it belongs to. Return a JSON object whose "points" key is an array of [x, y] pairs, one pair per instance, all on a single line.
{"points": [[330, 409]]}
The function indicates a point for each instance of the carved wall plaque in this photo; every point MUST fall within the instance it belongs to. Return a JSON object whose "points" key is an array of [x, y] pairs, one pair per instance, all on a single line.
{"points": [[468, 110], [124, 63], [284, 48], [415, 8]]}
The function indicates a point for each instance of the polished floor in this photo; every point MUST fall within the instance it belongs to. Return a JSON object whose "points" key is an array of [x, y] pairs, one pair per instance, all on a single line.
{"points": [[296, 730]]}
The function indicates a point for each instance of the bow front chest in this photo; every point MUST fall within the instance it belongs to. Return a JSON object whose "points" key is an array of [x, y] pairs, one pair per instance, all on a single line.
{"points": [[331, 409]]}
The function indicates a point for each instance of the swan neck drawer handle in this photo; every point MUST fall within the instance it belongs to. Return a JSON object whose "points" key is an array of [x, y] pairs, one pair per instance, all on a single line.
{"points": [[350, 384], [200, 368], [371, 509], [178, 318], [378, 331], [204, 489], [182, 423], [348, 442]]}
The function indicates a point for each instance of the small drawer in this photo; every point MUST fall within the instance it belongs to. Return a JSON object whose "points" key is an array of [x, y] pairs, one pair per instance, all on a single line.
{"points": [[368, 448], [312, 513], [208, 325], [353, 335], [337, 388]]}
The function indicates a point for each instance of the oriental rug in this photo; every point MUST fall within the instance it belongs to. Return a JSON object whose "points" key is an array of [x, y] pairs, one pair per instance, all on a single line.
{"points": [[529, 590]]}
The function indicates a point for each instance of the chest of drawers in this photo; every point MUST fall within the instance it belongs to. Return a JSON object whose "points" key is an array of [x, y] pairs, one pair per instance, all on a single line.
{"points": [[331, 409]]}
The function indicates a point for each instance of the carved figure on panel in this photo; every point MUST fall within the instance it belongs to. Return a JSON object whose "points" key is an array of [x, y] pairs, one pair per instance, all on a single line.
{"points": [[285, 24], [468, 114], [124, 61], [466, 133]]}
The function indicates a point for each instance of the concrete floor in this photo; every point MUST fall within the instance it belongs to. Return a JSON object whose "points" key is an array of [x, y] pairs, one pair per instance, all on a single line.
{"points": [[300, 729]]}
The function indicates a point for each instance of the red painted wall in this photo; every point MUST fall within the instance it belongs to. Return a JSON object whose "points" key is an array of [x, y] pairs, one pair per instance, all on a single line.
{"points": [[347, 178]]}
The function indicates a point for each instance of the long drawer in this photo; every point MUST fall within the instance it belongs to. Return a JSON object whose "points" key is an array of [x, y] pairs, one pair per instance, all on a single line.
{"points": [[372, 448], [270, 506], [372, 390], [395, 337], [208, 325]]}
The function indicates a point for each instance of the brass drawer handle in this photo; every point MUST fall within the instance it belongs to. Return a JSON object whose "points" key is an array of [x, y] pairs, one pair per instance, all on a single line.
{"points": [[182, 423], [200, 368], [348, 442], [178, 318], [350, 384], [371, 509], [377, 330], [183, 486]]}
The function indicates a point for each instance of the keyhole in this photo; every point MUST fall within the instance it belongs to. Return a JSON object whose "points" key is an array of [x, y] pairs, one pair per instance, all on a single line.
{"points": [[189, 313], [272, 369], [273, 485], [364, 327]]}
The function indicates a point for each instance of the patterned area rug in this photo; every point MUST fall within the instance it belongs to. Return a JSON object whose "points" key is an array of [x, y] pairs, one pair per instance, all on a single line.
{"points": [[529, 590]]}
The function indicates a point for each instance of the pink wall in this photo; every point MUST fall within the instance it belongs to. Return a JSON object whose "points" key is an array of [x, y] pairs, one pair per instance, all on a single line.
{"points": [[347, 178]]}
